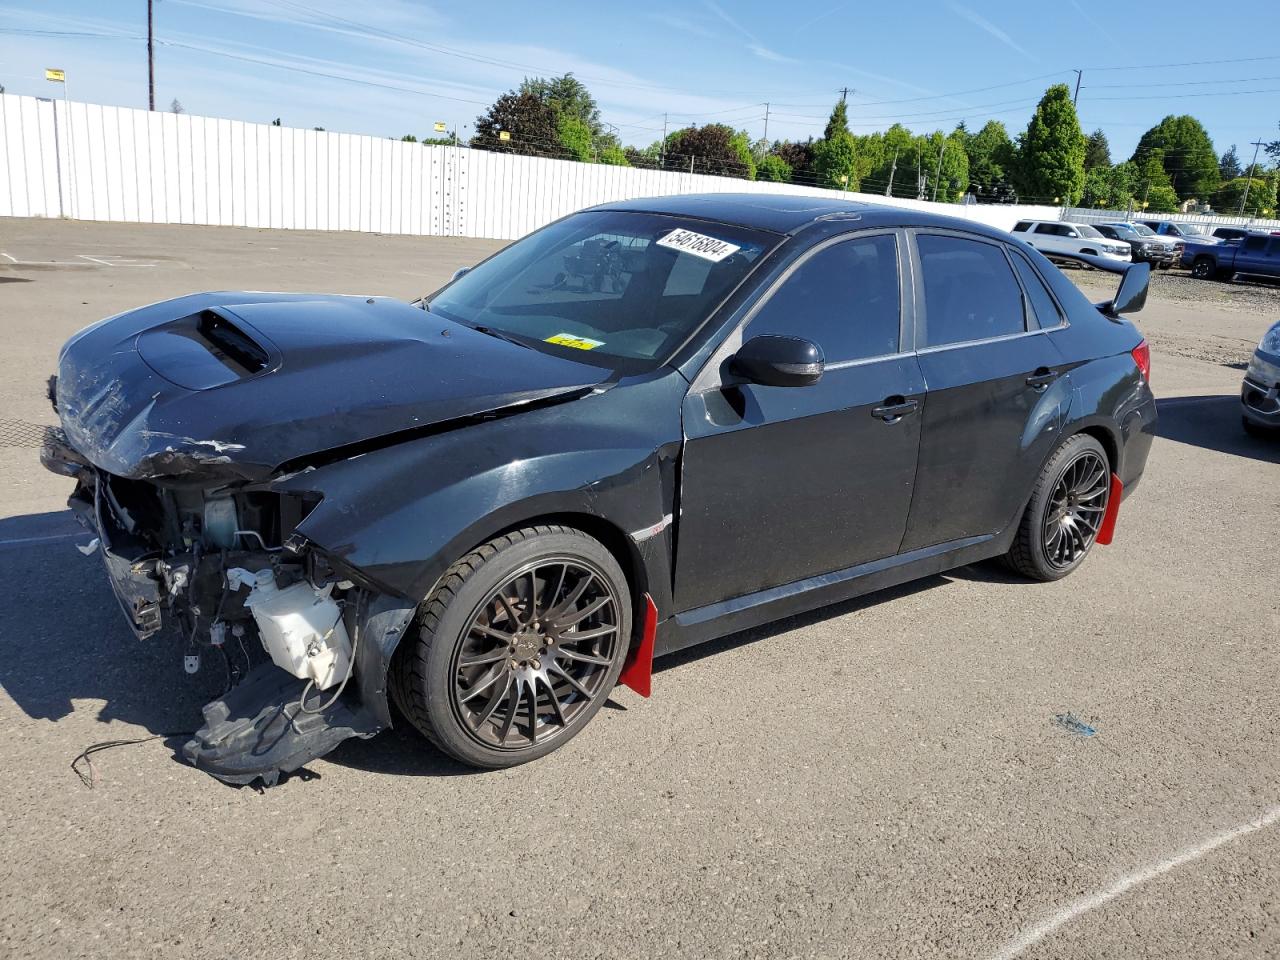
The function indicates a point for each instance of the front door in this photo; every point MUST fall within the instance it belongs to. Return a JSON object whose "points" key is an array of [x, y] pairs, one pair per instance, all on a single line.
{"points": [[783, 483], [994, 385]]}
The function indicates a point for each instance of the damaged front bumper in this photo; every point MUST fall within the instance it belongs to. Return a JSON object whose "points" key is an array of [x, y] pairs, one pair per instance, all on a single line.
{"points": [[174, 561]]}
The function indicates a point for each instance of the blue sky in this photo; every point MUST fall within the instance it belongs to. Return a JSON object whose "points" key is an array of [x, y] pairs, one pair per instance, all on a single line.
{"points": [[408, 63]]}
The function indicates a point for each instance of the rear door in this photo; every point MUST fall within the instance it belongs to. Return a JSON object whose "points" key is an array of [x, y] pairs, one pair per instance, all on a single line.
{"points": [[783, 483], [1251, 256], [994, 383]]}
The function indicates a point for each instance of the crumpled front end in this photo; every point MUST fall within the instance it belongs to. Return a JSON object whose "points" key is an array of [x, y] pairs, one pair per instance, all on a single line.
{"points": [[220, 572]]}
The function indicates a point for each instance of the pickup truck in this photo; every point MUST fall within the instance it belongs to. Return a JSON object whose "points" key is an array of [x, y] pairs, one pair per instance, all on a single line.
{"points": [[1256, 255]]}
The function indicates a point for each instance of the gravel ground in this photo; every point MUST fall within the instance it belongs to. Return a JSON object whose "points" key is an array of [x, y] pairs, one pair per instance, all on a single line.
{"points": [[892, 777]]}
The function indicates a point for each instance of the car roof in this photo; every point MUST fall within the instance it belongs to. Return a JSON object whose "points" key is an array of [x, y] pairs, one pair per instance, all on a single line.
{"points": [[784, 213]]}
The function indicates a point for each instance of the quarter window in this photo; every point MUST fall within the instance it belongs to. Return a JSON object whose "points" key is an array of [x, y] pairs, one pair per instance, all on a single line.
{"points": [[969, 291], [1255, 244], [1042, 303], [844, 298]]}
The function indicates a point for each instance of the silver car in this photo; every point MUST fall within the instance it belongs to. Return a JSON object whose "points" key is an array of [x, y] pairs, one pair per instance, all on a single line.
{"points": [[1260, 394]]}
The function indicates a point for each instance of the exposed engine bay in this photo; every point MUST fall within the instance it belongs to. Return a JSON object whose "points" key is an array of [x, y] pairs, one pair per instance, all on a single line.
{"points": [[221, 569]]}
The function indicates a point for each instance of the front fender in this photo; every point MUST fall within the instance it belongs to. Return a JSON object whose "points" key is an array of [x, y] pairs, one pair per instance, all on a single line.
{"points": [[402, 515]]}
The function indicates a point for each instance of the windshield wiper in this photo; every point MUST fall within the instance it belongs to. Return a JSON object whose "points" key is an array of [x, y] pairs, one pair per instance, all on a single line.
{"points": [[499, 334]]}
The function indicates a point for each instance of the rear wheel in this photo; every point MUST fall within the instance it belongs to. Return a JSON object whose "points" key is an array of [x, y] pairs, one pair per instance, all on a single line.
{"points": [[1065, 512], [517, 648]]}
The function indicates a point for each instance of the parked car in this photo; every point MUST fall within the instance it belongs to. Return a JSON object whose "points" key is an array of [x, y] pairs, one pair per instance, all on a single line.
{"points": [[1182, 230], [472, 503], [1052, 237], [1255, 256], [1260, 393], [1160, 252]]}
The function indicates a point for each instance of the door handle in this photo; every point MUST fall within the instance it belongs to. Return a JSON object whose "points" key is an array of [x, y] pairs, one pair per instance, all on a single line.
{"points": [[1042, 378], [894, 409]]}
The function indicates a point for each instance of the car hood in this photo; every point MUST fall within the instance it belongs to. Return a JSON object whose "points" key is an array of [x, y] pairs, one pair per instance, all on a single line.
{"points": [[226, 386]]}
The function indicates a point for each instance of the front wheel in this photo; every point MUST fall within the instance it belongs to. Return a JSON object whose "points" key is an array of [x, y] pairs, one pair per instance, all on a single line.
{"points": [[518, 646], [1065, 512], [1203, 268]]}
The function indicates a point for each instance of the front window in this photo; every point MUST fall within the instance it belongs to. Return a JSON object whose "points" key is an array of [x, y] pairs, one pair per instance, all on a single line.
{"points": [[1142, 230], [615, 288], [1193, 230], [1087, 231]]}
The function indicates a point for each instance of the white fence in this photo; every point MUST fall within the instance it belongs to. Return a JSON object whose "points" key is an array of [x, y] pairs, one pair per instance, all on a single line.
{"points": [[91, 162], [1086, 215]]}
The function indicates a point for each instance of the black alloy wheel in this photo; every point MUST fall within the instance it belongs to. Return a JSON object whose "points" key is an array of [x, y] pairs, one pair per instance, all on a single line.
{"points": [[517, 647], [1202, 268], [536, 653], [1065, 511], [1076, 508]]}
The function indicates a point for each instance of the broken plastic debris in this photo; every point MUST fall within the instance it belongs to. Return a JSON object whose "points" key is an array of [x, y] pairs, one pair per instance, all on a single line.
{"points": [[191, 664], [1073, 724], [89, 548]]}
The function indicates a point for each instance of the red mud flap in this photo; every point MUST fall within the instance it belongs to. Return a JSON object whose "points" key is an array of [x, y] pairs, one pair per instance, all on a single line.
{"points": [[638, 671], [1106, 532]]}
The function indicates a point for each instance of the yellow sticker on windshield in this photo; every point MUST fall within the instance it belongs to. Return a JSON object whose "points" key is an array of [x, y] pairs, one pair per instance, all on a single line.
{"points": [[578, 343]]}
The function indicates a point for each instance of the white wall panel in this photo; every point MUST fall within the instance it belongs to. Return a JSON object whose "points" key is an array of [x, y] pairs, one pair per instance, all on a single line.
{"points": [[96, 163]]}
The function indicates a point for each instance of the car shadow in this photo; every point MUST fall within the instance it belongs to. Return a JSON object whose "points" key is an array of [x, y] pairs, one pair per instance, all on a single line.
{"points": [[1213, 422], [64, 641]]}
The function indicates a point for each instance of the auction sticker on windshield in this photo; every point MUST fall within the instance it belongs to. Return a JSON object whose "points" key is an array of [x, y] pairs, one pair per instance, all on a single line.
{"points": [[578, 343], [698, 244]]}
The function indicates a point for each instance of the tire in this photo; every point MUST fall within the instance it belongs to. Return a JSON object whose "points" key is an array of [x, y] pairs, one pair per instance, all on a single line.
{"points": [[517, 652], [1203, 268], [1033, 553]]}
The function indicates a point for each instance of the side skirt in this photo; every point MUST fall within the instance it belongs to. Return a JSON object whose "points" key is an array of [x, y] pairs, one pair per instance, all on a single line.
{"points": [[741, 613]]}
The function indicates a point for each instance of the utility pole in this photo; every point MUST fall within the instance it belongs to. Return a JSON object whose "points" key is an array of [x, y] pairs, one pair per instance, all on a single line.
{"points": [[1076, 96], [888, 191], [844, 94], [937, 174], [151, 56], [766, 126], [1248, 176], [662, 154]]}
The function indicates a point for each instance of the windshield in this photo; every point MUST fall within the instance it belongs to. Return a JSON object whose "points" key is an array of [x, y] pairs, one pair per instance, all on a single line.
{"points": [[1194, 229], [1141, 229], [1087, 231], [615, 288]]}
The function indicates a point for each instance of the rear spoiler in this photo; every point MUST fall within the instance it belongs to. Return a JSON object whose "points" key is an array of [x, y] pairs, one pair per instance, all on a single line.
{"points": [[1131, 296]]}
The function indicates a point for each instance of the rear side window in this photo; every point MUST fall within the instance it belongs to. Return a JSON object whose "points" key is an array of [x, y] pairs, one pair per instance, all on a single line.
{"points": [[1043, 305], [1022, 226], [969, 291], [844, 298], [1255, 244]]}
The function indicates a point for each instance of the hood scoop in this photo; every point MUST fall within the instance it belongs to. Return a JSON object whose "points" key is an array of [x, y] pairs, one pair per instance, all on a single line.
{"points": [[207, 349]]}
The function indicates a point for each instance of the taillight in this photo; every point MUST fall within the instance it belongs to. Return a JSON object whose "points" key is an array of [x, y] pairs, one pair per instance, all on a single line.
{"points": [[1142, 357]]}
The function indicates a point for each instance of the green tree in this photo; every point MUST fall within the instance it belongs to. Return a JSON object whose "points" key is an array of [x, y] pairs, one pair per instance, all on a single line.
{"points": [[715, 149], [1229, 165], [568, 97], [1051, 151], [1189, 157], [532, 124], [893, 156], [991, 161], [1262, 195], [646, 158], [575, 136], [773, 168], [839, 120], [944, 160], [798, 157], [614, 156], [1097, 151]]}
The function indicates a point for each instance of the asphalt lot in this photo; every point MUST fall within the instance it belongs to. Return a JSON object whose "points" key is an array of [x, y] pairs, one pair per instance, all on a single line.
{"points": [[882, 779]]}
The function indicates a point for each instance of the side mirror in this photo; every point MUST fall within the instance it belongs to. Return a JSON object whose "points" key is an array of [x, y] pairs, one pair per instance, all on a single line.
{"points": [[774, 361], [1072, 233], [461, 271], [1132, 294]]}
